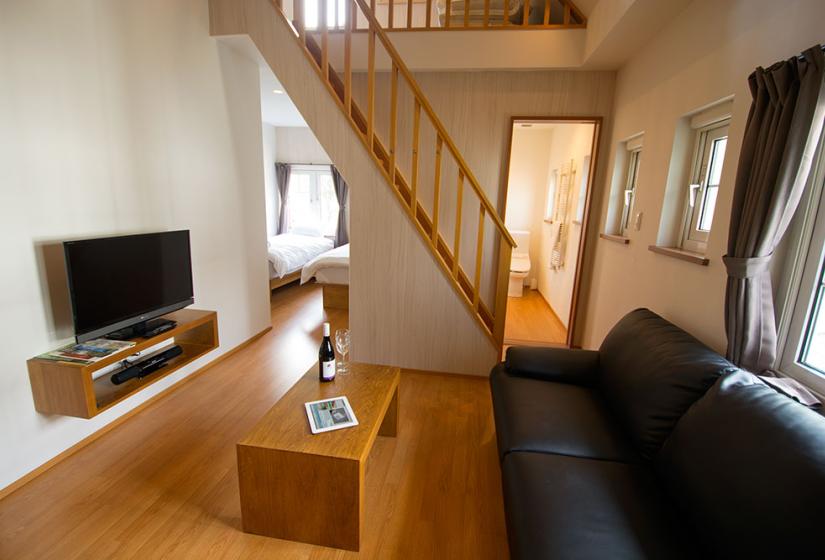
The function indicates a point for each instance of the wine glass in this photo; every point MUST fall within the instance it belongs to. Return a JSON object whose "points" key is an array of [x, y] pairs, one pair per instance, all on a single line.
{"points": [[342, 341]]}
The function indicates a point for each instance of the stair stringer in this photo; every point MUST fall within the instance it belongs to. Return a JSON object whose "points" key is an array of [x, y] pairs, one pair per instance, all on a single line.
{"points": [[403, 311]]}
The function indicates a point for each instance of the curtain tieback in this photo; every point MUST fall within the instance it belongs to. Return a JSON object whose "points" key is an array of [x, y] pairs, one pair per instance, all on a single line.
{"points": [[746, 267]]}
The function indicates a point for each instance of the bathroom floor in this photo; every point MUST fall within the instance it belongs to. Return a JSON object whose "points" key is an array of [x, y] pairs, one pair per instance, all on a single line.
{"points": [[531, 321]]}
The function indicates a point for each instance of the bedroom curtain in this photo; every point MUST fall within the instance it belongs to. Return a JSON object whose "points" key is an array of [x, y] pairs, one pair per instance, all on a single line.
{"points": [[282, 171], [342, 194], [783, 128]]}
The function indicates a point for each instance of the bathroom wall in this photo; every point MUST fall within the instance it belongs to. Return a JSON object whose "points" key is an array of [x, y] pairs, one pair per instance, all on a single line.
{"points": [[527, 190], [569, 142]]}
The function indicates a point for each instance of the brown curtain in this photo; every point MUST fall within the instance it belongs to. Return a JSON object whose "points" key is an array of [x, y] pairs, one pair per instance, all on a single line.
{"points": [[342, 195], [783, 129], [282, 171]]}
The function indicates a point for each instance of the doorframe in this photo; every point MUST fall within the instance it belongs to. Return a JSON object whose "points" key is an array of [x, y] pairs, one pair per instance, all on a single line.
{"points": [[597, 123]]}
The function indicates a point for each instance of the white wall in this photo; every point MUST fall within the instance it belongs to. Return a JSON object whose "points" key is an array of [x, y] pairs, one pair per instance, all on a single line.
{"points": [[296, 144], [120, 117], [570, 142], [703, 56], [527, 187], [270, 183]]}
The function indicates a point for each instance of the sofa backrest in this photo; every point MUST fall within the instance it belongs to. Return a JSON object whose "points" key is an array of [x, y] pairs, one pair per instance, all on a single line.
{"points": [[651, 372], [746, 465]]}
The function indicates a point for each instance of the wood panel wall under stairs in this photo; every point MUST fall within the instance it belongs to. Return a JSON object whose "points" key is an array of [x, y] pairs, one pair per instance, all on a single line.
{"points": [[402, 311]]}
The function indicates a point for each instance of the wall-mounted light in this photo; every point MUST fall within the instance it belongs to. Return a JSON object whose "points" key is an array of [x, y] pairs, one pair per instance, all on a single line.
{"points": [[277, 91]]}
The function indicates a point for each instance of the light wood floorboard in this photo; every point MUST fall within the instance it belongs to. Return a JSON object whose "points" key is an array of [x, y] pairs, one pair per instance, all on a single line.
{"points": [[530, 320], [164, 483]]}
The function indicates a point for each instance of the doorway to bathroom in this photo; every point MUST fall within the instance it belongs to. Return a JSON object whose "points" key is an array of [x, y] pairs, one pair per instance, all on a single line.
{"points": [[549, 181]]}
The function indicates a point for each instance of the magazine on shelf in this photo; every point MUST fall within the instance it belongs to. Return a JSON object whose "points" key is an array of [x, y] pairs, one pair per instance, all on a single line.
{"points": [[330, 414], [87, 352]]}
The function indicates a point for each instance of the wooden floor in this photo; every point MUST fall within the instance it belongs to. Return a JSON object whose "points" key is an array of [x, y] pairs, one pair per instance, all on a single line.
{"points": [[164, 483], [530, 320]]}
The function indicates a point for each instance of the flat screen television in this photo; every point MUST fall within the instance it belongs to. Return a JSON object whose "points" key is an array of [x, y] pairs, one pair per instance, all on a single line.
{"points": [[118, 282]]}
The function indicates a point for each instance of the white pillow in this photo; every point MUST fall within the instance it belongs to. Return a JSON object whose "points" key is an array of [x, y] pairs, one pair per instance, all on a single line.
{"points": [[304, 229]]}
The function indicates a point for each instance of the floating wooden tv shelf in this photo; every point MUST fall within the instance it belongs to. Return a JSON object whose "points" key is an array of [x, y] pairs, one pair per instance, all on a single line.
{"points": [[70, 389]]}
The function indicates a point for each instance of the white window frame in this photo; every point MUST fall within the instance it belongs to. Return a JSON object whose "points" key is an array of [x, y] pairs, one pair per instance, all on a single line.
{"points": [[335, 8], [806, 260], [314, 172], [692, 238], [631, 182]]}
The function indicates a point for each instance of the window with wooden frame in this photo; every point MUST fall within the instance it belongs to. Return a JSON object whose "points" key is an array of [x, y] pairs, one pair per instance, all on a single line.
{"points": [[634, 158], [709, 146]]}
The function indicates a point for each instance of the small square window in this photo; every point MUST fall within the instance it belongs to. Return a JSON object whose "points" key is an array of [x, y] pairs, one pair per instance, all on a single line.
{"points": [[629, 193], [710, 145], [312, 200]]}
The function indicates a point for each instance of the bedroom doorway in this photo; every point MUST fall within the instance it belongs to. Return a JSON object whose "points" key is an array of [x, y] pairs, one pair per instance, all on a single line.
{"points": [[307, 204], [549, 182]]}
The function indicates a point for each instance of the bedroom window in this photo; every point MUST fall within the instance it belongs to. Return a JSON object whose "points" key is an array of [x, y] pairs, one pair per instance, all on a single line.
{"points": [[336, 13], [710, 144], [312, 202]]}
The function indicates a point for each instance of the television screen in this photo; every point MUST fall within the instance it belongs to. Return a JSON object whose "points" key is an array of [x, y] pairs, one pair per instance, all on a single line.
{"points": [[115, 282]]}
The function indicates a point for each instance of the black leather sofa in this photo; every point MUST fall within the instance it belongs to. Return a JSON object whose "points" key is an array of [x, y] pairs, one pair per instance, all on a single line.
{"points": [[654, 446]]}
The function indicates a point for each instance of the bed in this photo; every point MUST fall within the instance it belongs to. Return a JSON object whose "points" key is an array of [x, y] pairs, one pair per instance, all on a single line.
{"points": [[331, 271], [289, 252]]}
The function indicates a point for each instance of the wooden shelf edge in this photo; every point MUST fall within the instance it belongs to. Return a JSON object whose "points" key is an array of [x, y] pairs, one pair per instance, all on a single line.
{"points": [[681, 254], [69, 389], [615, 238]]}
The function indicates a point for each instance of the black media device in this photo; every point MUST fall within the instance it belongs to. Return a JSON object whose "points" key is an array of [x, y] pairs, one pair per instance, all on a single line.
{"points": [[117, 285], [147, 366]]}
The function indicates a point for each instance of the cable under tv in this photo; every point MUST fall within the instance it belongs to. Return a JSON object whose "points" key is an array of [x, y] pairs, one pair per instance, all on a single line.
{"points": [[145, 367]]}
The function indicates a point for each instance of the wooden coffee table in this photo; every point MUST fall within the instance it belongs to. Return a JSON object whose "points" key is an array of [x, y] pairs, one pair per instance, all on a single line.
{"points": [[307, 487]]}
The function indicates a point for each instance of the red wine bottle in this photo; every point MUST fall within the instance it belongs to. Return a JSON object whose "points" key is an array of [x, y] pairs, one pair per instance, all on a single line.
{"points": [[326, 358]]}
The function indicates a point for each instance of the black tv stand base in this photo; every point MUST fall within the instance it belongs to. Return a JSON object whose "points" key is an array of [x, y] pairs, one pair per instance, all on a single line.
{"points": [[146, 329]]}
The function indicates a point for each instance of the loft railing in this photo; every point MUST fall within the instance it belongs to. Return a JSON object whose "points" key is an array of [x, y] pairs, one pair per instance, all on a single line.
{"points": [[428, 150], [443, 15]]}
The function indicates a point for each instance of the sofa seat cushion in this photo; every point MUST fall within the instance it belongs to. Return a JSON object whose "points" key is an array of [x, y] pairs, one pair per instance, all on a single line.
{"points": [[651, 373], [544, 416], [567, 507], [747, 465]]}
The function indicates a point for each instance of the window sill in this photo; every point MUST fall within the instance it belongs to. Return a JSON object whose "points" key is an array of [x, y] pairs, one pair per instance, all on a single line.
{"points": [[615, 238], [681, 254]]}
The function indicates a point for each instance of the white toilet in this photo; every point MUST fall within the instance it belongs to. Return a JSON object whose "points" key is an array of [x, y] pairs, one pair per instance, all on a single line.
{"points": [[519, 263]]}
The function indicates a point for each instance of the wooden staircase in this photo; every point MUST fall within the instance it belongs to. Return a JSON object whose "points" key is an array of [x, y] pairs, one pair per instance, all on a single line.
{"points": [[315, 44]]}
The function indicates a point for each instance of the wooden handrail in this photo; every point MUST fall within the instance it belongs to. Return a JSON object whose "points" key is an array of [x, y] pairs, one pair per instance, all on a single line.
{"points": [[458, 213], [350, 14], [414, 179], [571, 17], [439, 143], [377, 30], [479, 252], [393, 115]]}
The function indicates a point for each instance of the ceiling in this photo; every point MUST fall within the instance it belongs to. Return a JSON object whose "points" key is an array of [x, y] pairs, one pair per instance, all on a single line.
{"points": [[277, 109], [586, 6]]}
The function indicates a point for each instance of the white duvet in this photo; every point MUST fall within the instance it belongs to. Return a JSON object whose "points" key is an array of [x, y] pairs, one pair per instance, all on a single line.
{"points": [[289, 252], [336, 258]]}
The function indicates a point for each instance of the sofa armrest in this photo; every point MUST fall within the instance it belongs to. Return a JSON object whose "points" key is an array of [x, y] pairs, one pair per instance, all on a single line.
{"points": [[578, 367]]}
